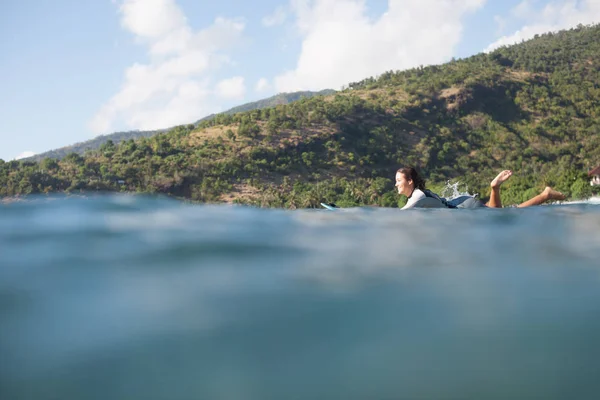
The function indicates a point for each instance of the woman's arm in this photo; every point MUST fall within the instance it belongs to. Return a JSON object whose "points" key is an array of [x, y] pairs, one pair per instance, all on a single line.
{"points": [[416, 196]]}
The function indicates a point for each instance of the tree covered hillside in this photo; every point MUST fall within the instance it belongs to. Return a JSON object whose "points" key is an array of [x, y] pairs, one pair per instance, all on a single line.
{"points": [[533, 108], [82, 147], [118, 137], [273, 101]]}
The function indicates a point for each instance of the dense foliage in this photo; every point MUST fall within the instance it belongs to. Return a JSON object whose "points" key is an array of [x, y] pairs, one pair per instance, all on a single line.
{"points": [[533, 108]]}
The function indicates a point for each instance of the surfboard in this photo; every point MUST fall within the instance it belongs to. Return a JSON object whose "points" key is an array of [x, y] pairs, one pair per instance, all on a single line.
{"points": [[330, 206], [430, 202]]}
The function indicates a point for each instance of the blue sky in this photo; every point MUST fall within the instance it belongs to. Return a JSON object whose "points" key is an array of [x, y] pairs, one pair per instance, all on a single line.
{"points": [[72, 70]]}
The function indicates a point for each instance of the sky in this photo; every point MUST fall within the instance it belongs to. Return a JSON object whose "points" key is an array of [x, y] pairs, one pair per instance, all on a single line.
{"points": [[71, 70]]}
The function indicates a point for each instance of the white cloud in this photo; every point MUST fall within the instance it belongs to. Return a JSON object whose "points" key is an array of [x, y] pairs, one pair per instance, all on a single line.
{"points": [[174, 86], [262, 85], [278, 17], [553, 16], [232, 88], [500, 24], [151, 18], [342, 44], [523, 10], [25, 154]]}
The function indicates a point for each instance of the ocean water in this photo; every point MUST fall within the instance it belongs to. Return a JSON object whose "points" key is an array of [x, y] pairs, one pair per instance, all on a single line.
{"points": [[131, 297]]}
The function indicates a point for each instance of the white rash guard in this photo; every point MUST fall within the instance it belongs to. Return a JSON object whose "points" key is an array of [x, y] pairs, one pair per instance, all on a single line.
{"points": [[416, 195]]}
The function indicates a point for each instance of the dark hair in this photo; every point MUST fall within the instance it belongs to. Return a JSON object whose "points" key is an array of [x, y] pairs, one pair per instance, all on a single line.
{"points": [[412, 174]]}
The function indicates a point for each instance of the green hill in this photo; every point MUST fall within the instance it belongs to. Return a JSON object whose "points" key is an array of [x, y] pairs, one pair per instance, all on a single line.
{"points": [[533, 108], [93, 144], [273, 101], [117, 137]]}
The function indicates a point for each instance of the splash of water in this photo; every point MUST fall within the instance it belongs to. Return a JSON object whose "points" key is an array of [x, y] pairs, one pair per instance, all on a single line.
{"points": [[453, 190], [592, 200]]}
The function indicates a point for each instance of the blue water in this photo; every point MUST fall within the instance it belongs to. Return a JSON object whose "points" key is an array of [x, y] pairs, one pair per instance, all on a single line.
{"points": [[127, 297]]}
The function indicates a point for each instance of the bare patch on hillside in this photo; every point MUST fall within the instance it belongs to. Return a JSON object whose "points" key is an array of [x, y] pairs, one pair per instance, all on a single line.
{"points": [[292, 137], [520, 75], [241, 191], [454, 97], [281, 138], [449, 92], [211, 133], [370, 94], [374, 94]]}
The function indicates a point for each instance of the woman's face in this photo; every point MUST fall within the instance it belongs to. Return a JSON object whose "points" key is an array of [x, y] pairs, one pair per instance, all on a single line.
{"points": [[403, 185]]}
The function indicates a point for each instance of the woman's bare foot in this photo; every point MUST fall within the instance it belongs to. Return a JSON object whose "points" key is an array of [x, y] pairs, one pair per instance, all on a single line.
{"points": [[552, 194], [501, 178]]}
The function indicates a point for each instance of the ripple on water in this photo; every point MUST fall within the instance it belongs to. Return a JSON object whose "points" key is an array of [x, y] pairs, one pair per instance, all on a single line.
{"points": [[147, 297]]}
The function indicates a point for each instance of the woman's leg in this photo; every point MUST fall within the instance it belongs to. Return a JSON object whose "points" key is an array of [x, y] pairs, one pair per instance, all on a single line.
{"points": [[546, 195], [495, 201]]}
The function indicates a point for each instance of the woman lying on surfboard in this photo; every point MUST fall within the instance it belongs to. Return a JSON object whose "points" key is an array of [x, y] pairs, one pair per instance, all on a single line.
{"points": [[412, 185]]}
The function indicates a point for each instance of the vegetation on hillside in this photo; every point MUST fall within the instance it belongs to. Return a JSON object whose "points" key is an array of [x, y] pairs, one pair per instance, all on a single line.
{"points": [[83, 147], [533, 108], [273, 101], [118, 137]]}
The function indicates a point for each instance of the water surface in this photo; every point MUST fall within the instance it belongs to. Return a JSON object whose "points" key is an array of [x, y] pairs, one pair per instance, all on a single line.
{"points": [[129, 297]]}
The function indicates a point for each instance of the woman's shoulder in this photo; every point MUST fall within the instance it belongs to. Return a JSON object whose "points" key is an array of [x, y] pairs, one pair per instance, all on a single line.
{"points": [[418, 194]]}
